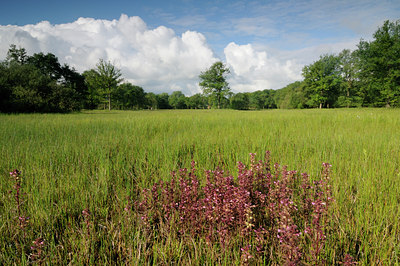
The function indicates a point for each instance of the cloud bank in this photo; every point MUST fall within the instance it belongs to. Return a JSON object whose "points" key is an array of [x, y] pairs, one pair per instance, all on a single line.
{"points": [[157, 59]]}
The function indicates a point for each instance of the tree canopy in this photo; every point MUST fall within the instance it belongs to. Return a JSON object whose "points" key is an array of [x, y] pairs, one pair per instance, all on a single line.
{"points": [[107, 79], [322, 80], [213, 82], [380, 65], [177, 100], [39, 83]]}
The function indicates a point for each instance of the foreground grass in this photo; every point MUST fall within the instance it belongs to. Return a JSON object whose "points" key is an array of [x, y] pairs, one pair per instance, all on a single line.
{"points": [[97, 160]]}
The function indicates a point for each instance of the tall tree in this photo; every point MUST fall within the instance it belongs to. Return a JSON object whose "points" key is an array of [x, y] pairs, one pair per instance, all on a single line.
{"points": [[322, 80], [380, 65], [348, 69], [108, 79], [213, 82]]}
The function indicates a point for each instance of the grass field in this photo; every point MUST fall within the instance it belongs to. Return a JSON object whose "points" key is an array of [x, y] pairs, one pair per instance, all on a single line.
{"points": [[96, 160]]}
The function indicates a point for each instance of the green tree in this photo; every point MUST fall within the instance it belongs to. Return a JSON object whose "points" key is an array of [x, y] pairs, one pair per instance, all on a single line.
{"points": [[291, 96], [108, 79], [262, 99], [151, 101], [75, 81], [38, 83], [348, 69], [69, 82], [213, 82], [196, 101], [30, 89], [136, 96], [16, 55], [48, 64], [120, 97], [240, 101], [177, 100], [163, 101], [129, 96], [94, 95], [256, 100], [380, 65], [5, 88], [322, 80]]}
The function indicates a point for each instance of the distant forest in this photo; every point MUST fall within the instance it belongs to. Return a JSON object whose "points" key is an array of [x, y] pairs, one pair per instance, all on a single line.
{"points": [[366, 77]]}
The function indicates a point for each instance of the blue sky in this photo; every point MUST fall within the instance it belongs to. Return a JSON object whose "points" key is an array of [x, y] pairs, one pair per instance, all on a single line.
{"points": [[265, 43]]}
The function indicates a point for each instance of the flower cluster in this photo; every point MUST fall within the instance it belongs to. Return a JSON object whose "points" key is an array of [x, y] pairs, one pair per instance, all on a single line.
{"points": [[22, 219], [277, 210], [37, 254]]}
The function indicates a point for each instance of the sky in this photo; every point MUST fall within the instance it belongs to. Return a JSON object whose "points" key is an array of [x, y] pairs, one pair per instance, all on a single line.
{"points": [[163, 45]]}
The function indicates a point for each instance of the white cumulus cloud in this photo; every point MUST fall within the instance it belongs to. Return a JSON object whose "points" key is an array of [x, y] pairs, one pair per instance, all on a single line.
{"points": [[254, 70]]}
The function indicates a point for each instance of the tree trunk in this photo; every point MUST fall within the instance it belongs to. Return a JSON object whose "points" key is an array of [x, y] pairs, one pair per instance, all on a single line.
{"points": [[320, 106], [109, 102]]}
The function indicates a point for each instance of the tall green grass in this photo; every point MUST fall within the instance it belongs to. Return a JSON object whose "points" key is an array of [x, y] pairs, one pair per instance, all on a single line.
{"points": [[97, 159]]}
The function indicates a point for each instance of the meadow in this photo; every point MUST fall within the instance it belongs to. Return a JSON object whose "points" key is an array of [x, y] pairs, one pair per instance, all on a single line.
{"points": [[82, 172]]}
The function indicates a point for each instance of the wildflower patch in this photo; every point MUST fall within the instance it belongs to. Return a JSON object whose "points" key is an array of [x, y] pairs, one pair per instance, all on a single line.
{"points": [[278, 215]]}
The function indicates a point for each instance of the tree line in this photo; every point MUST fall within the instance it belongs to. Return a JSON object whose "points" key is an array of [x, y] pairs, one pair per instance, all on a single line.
{"points": [[369, 76]]}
